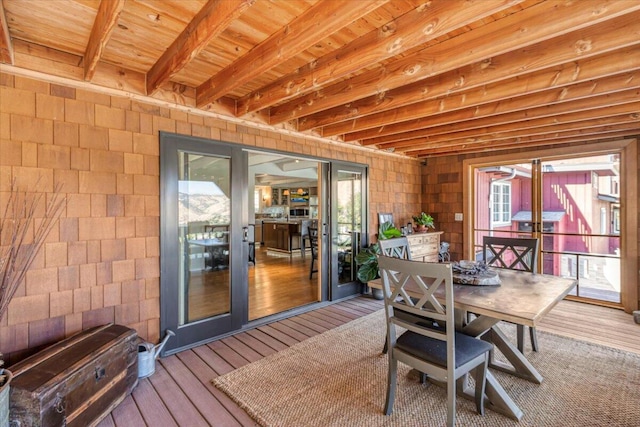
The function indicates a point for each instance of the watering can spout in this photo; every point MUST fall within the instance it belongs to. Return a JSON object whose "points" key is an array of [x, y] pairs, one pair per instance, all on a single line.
{"points": [[158, 348]]}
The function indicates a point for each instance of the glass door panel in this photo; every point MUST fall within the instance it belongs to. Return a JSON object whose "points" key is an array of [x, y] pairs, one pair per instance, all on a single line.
{"points": [[204, 212], [348, 231], [571, 204], [503, 203], [203, 244], [583, 241]]}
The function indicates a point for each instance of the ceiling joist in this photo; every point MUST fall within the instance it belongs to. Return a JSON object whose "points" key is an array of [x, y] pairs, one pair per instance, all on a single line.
{"points": [[420, 78]]}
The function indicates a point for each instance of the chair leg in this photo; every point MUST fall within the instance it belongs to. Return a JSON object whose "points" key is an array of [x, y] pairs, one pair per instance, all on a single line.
{"points": [[534, 339], [391, 385], [481, 383], [520, 334], [451, 402], [385, 347]]}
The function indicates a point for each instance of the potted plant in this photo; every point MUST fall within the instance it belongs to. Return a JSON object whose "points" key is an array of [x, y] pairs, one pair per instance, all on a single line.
{"points": [[367, 258], [423, 222], [22, 234]]}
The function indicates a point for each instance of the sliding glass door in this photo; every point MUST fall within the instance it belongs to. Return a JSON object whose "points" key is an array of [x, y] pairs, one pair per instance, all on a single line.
{"points": [[203, 239], [571, 204], [348, 226]]}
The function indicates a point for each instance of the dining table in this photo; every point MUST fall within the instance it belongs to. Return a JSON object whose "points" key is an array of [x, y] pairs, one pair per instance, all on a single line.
{"points": [[522, 298], [218, 250]]}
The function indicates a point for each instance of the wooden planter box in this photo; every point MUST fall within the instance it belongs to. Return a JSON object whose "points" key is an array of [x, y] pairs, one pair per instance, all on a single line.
{"points": [[77, 381]]}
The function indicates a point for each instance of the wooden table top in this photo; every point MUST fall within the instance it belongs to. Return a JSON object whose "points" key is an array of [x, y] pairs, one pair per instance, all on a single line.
{"points": [[522, 298]]}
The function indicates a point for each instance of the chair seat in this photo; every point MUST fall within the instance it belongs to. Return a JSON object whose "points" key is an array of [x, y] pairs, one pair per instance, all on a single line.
{"points": [[435, 351]]}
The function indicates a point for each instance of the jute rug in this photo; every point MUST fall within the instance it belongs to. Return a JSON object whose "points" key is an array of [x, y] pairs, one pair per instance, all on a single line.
{"points": [[338, 378]]}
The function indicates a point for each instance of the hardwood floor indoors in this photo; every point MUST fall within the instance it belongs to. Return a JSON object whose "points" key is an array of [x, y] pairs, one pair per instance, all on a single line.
{"points": [[180, 392]]}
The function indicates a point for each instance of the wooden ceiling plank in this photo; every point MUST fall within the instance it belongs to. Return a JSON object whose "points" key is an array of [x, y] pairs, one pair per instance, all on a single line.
{"points": [[579, 140], [473, 128], [214, 17], [6, 46], [553, 139], [401, 121], [494, 115], [316, 23], [425, 23], [496, 134], [540, 22], [106, 19], [568, 93], [37, 58], [608, 54], [612, 63]]}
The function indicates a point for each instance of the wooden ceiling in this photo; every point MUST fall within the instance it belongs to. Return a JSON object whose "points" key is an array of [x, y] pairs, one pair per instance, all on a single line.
{"points": [[423, 78]]}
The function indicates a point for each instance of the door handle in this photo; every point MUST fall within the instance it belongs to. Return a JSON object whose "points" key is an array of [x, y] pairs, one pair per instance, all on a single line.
{"points": [[245, 234]]}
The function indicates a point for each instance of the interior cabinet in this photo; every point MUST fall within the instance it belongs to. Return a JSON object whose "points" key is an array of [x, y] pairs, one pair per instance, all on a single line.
{"points": [[424, 246]]}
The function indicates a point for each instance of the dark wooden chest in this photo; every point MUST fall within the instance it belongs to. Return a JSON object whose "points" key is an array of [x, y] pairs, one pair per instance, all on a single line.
{"points": [[77, 381]]}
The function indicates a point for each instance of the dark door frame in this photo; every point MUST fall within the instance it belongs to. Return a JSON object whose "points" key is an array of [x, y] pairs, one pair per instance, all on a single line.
{"points": [[207, 329]]}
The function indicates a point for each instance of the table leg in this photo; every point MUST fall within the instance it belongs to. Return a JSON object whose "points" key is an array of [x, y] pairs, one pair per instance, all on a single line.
{"points": [[496, 397], [520, 366]]}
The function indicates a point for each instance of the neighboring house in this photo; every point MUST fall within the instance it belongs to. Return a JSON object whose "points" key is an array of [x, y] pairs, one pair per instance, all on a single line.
{"points": [[580, 201]]}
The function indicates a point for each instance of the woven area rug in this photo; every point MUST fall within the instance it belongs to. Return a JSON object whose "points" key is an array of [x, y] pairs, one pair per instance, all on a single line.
{"points": [[338, 378]]}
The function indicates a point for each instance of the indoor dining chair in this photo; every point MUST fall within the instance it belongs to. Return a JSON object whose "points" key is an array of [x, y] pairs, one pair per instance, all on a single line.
{"points": [[513, 253], [313, 242], [438, 351]]}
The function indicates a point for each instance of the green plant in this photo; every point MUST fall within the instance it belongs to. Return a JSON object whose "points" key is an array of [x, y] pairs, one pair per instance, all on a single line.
{"points": [[367, 259], [424, 219]]}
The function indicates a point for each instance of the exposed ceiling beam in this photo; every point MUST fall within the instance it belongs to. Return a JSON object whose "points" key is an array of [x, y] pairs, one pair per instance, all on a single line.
{"points": [[487, 125], [108, 14], [425, 23], [567, 94], [624, 60], [540, 22], [498, 133], [214, 17], [6, 47], [315, 23], [540, 67], [528, 142], [543, 110]]}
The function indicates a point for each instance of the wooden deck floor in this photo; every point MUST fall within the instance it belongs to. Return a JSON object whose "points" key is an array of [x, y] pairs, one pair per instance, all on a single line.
{"points": [[180, 392]]}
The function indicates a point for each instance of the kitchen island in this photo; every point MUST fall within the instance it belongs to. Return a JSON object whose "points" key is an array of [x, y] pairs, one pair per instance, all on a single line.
{"points": [[281, 235]]}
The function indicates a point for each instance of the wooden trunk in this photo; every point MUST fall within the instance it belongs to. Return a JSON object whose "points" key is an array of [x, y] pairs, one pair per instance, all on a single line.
{"points": [[77, 381]]}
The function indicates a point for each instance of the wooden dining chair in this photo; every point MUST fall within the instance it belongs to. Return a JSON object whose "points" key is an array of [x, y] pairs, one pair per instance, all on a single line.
{"points": [[397, 247], [513, 253], [313, 242], [440, 352]]}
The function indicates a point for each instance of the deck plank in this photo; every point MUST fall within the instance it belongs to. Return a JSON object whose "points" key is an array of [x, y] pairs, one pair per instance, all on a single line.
{"points": [[228, 354], [267, 339], [210, 408], [288, 330], [242, 349], [282, 337], [205, 374], [257, 345], [127, 414], [176, 401], [183, 381], [151, 406], [213, 359]]}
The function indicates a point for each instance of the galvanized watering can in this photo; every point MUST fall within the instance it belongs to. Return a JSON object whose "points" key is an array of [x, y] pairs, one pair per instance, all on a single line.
{"points": [[148, 353]]}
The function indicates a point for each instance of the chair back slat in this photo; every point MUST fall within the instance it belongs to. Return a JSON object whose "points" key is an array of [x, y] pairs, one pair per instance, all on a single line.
{"points": [[400, 278], [397, 247], [513, 253]]}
